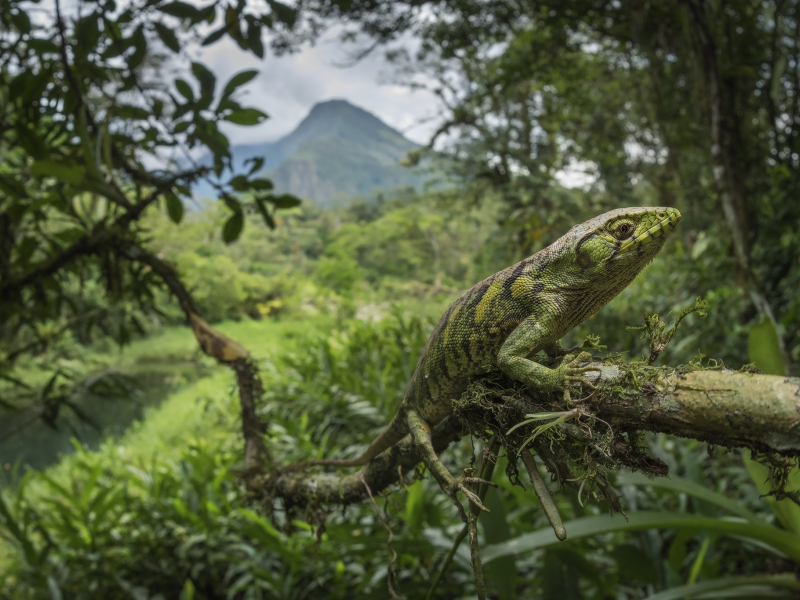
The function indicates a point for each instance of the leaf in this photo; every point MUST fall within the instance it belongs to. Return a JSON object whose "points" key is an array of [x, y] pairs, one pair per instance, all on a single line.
{"points": [[174, 207], [184, 89], [503, 574], [167, 36], [237, 81], [246, 116], [215, 36], [140, 45], [262, 208], [126, 111], [257, 163], [788, 512], [415, 505], [781, 541], [693, 489], [764, 349], [783, 580], [12, 525], [261, 184], [282, 12], [239, 183], [233, 227], [284, 201], [179, 9], [634, 564], [254, 41], [205, 77], [188, 590], [70, 173]]}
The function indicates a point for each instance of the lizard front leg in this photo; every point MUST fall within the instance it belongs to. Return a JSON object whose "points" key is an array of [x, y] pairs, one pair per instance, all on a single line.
{"points": [[421, 434], [526, 339]]}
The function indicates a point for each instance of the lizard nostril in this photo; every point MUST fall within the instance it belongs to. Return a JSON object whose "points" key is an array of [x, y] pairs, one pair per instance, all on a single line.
{"points": [[662, 215]]}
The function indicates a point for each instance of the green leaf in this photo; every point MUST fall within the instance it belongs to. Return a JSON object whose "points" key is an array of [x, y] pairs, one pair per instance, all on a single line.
{"points": [[634, 564], [261, 184], [239, 183], [140, 44], [415, 505], [233, 227], [215, 36], [284, 201], [188, 590], [764, 349], [246, 116], [70, 173], [254, 41], [184, 89], [167, 36], [205, 77], [502, 574], [174, 207], [781, 580], [262, 208], [257, 163], [282, 12], [126, 111], [781, 541], [237, 81], [788, 512], [179, 9], [693, 489]]}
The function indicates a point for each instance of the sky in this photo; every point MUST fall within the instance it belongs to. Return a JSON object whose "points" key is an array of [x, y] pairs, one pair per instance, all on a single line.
{"points": [[288, 86]]}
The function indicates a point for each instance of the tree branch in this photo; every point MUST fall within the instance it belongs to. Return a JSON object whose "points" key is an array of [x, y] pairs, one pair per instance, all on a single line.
{"points": [[218, 346], [721, 407]]}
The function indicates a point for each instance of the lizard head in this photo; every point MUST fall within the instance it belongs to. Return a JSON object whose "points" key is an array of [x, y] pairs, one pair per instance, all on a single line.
{"points": [[613, 248]]}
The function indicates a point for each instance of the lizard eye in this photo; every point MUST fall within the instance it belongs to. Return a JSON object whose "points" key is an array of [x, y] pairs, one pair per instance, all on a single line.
{"points": [[623, 231]]}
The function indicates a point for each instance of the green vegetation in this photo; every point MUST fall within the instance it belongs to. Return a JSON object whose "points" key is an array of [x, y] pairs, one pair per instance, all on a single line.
{"points": [[170, 481], [310, 322]]}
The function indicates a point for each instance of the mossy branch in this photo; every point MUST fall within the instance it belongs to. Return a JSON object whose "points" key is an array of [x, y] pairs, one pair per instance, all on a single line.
{"points": [[719, 406], [654, 327]]}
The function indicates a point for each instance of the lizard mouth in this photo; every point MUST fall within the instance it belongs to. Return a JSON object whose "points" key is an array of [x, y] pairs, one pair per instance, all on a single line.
{"points": [[666, 221]]}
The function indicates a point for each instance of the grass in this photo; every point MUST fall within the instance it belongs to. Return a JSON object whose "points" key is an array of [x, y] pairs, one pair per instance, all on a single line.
{"points": [[187, 397]]}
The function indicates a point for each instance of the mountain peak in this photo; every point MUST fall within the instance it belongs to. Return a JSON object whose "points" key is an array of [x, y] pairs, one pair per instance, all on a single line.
{"points": [[339, 151], [337, 116]]}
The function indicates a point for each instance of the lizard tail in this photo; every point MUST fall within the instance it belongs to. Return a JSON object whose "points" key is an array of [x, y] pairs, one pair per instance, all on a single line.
{"points": [[395, 431]]}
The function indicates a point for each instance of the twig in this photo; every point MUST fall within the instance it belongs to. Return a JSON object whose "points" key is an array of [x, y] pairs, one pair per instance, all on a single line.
{"points": [[390, 570], [549, 506], [486, 470]]}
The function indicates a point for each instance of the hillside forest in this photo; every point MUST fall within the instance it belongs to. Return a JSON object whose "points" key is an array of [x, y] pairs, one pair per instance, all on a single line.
{"points": [[182, 318]]}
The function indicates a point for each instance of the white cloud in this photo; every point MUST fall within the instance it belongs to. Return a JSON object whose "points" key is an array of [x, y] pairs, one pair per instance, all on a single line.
{"points": [[288, 86]]}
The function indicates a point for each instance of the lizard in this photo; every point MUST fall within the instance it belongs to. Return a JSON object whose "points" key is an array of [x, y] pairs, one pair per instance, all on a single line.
{"points": [[503, 321]]}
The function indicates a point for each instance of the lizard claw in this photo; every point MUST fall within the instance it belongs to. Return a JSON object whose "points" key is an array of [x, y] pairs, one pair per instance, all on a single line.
{"points": [[572, 373]]}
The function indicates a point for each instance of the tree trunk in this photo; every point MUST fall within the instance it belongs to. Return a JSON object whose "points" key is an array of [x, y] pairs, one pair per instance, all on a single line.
{"points": [[723, 124]]}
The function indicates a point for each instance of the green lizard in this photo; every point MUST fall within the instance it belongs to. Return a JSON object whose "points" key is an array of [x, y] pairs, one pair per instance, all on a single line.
{"points": [[504, 320]]}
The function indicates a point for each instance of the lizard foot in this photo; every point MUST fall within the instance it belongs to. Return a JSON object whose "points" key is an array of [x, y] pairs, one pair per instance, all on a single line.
{"points": [[570, 372], [421, 434]]}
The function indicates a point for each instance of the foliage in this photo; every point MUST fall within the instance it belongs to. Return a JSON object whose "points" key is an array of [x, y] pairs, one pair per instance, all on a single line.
{"points": [[685, 104], [91, 138], [124, 520], [530, 90]]}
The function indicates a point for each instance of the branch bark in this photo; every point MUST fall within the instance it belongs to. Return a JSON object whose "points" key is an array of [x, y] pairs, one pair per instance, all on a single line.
{"points": [[218, 346], [726, 408]]}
